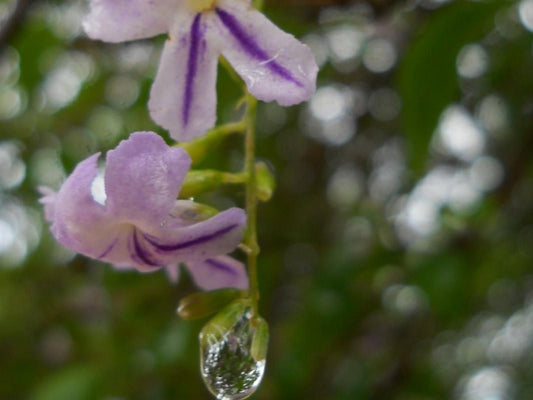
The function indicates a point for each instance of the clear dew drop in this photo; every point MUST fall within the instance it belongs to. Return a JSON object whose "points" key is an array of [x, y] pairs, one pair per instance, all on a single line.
{"points": [[228, 368]]}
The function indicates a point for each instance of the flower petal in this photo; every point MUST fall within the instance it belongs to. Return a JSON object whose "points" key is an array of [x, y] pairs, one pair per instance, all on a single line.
{"points": [[80, 223], [140, 223], [123, 20], [124, 251], [274, 64], [142, 179], [168, 243], [183, 96], [48, 200], [217, 235], [188, 212], [173, 273], [219, 272]]}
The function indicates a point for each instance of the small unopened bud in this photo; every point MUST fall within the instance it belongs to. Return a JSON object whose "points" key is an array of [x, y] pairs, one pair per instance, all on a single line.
{"points": [[265, 181], [260, 340], [197, 182], [201, 181], [203, 304]]}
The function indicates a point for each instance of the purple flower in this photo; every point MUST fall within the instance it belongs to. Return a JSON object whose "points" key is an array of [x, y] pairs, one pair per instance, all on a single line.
{"points": [[273, 64], [215, 273], [135, 219]]}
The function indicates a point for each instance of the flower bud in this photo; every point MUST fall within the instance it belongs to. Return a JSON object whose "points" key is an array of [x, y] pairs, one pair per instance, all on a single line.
{"points": [[201, 181], [260, 339], [265, 181]]}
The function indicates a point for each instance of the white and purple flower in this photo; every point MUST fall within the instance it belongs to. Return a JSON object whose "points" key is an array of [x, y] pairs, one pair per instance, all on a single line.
{"points": [[273, 64], [136, 220]]}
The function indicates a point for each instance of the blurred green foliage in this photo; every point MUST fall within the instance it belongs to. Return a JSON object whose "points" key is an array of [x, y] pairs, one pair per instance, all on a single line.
{"points": [[396, 250], [429, 68]]}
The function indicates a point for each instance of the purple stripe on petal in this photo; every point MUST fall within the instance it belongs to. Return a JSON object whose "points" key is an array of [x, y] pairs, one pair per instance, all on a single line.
{"points": [[109, 248], [221, 266], [192, 65], [140, 253], [252, 48], [192, 242]]}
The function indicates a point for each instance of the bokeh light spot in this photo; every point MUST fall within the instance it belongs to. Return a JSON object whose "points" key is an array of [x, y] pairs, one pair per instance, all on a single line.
{"points": [[460, 134], [525, 12], [472, 61], [379, 55]]}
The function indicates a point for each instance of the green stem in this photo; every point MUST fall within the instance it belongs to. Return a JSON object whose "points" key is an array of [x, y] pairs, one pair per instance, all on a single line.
{"points": [[199, 148], [251, 201], [231, 72], [234, 178], [230, 127], [251, 195]]}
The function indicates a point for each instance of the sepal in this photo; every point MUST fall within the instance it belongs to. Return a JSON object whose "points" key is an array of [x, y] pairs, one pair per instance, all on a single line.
{"points": [[260, 339]]}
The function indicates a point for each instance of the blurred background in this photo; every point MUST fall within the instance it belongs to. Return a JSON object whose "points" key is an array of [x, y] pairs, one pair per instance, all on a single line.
{"points": [[397, 252]]}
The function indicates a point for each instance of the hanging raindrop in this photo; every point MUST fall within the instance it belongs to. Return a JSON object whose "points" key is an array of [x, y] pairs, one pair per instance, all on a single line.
{"points": [[228, 366]]}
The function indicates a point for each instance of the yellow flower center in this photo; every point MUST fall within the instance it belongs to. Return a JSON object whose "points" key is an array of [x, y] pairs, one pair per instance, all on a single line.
{"points": [[200, 5]]}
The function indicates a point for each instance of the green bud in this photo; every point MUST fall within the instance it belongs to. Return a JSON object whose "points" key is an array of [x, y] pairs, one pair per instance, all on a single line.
{"points": [[265, 181], [224, 320], [198, 148], [201, 181], [260, 340], [203, 304]]}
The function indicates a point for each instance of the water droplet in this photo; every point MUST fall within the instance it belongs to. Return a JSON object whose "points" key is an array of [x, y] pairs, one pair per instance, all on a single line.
{"points": [[228, 368]]}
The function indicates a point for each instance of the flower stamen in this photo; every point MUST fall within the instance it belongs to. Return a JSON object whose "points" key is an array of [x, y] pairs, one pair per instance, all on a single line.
{"points": [[200, 5]]}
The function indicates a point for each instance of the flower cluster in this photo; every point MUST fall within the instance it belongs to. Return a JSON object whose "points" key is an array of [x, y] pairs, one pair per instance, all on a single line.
{"points": [[135, 219]]}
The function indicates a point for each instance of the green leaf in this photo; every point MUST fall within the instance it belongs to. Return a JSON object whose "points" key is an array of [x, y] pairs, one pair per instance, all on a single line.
{"points": [[427, 76]]}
